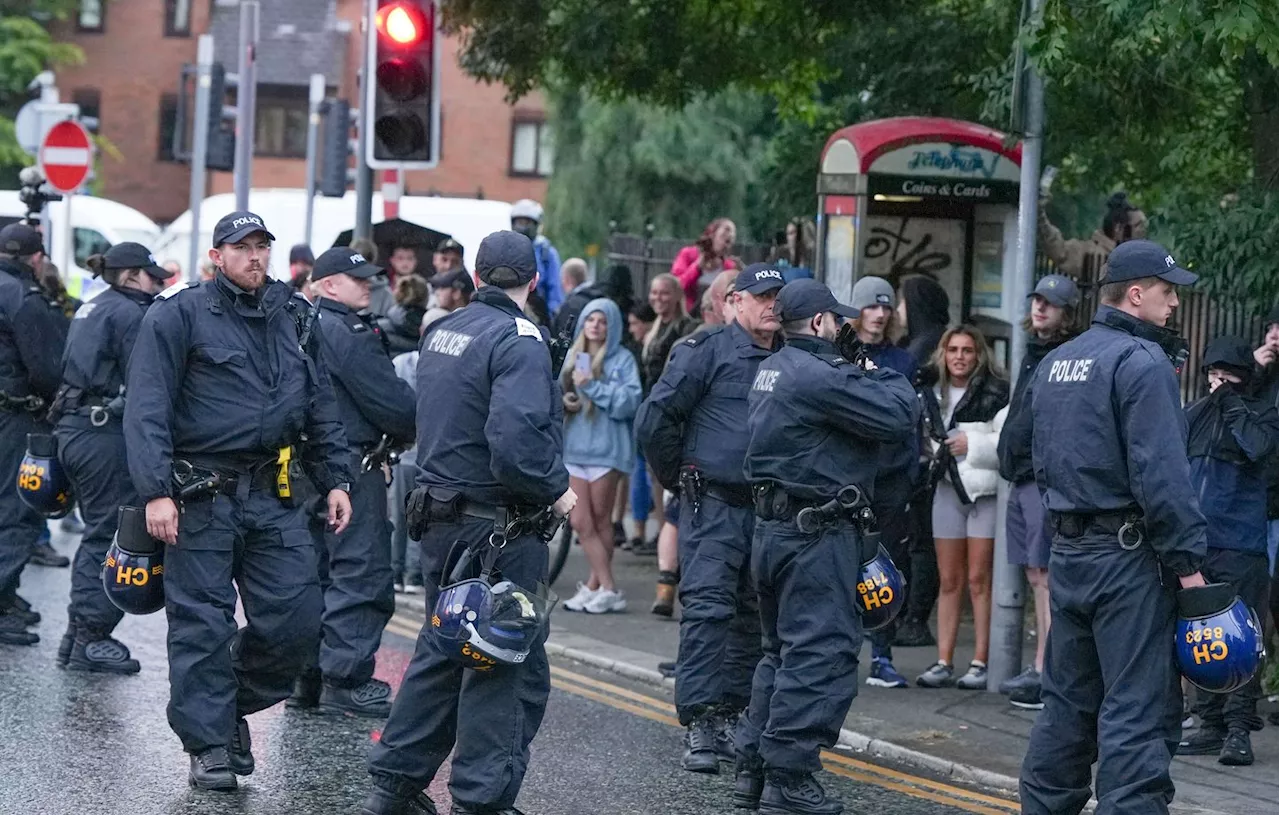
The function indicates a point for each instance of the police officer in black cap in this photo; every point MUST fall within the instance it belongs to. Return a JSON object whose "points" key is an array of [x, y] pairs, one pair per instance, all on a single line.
{"points": [[1108, 446], [223, 383], [29, 375], [377, 411], [90, 432], [816, 425], [690, 428], [489, 453]]}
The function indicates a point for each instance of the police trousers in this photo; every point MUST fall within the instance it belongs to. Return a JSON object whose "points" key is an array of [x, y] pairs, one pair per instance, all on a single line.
{"points": [[253, 542], [808, 677], [1247, 572], [20, 525], [720, 621], [99, 472], [357, 583], [1110, 683], [486, 719]]}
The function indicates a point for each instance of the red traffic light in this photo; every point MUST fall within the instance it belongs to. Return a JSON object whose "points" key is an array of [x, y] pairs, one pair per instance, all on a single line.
{"points": [[402, 23]]}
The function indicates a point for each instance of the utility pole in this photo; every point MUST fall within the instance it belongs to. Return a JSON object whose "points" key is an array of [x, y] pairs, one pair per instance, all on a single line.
{"points": [[364, 173], [1008, 588], [316, 99], [246, 100], [199, 149]]}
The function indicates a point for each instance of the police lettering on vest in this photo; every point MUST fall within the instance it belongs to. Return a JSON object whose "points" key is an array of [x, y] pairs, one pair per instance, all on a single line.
{"points": [[447, 342], [1070, 370], [765, 380]]}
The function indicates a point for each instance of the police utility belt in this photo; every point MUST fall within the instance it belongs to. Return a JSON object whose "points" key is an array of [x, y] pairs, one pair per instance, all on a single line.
{"points": [[850, 505], [427, 505], [694, 486], [21, 404], [1126, 524], [99, 408], [195, 480]]}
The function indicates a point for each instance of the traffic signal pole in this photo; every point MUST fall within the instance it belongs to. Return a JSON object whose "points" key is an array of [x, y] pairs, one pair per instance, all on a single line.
{"points": [[246, 101], [199, 149], [364, 174], [316, 99]]}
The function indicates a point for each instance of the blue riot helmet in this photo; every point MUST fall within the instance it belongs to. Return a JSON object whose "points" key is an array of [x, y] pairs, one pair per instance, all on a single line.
{"points": [[43, 484], [481, 626], [882, 590], [1218, 638], [133, 573]]}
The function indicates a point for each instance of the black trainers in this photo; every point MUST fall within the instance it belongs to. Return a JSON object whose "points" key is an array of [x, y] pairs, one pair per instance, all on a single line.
{"points": [[1027, 697], [913, 634], [64, 647], [1205, 742], [101, 654], [240, 750], [702, 751], [371, 698], [306, 691], [792, 793], [667, 669], [1237, 750], [460, 808], [210, 770], [13, 632], [645, 548], [748, 783], [1029, 677], [43, 554]]}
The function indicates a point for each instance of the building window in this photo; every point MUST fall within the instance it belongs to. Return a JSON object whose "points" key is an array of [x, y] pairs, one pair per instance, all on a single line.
{"points": [[92, 16], [168, 125], [281, 123], [532, 152], [90, 102], [177, 18]]}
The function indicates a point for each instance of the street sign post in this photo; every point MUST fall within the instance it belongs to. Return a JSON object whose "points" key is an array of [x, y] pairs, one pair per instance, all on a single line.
{"points": [[66, 155]]}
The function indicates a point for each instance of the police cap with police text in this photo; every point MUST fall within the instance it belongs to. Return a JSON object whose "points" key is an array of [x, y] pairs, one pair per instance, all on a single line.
{"points": [[758, 278], [130, 255], [803, 298], [1058, 290], [343, 260], [20, 240], [237, 226], [505, 259], [1134, 260], [459, 279]]}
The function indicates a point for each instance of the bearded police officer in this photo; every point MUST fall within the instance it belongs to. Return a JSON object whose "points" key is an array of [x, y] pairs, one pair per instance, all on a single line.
{"points": [[29, 374], [377, 411], [690, 428], [489, 443], [1108, 446], [816, 423], [223, 383]]}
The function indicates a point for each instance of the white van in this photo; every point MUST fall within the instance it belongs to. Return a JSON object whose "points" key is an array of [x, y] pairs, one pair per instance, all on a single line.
{"points": [[96, 225], [467, 220]]}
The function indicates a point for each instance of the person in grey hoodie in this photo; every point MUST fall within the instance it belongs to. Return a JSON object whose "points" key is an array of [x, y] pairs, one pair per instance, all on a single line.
{"points": [[601, 393]]}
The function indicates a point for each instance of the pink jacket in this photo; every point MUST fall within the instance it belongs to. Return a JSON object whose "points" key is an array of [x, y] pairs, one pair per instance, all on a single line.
{"points": [[685, 267]]}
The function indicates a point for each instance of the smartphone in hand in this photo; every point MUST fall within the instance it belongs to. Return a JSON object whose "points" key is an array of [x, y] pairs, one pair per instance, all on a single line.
{"points": [[582, 364]]}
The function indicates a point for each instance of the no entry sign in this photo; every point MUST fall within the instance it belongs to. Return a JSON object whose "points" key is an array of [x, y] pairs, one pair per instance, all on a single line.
{"points": [[65, 156]]}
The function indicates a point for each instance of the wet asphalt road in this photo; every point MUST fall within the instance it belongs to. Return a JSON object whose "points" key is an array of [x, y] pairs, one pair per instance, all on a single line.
{"points": [[81, 743]]}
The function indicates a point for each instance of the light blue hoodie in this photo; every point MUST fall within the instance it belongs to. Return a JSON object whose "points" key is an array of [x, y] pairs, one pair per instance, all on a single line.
{"points": [[604, 437]]}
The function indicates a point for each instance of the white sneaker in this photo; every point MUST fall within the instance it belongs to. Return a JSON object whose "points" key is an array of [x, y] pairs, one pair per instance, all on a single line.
{"points": [[579, 600], [604, 601]]}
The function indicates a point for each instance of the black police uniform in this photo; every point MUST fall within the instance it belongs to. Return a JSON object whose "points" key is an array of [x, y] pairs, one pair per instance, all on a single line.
{"points": [[359, 596], [90, 435], [29, 372], [1108, 446], [489, 439], [817, 423], [690, 430], [218, 379]]}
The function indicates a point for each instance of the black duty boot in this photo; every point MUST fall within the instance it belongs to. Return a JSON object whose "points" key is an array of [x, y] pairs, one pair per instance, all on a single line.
{"points": [[913, 634], [240, 750], [1237, 750], [724, 739], [701, 753], [306, 691], [398, 801], [1207, 741], [97, 653], [64, 647], [13, 632], [43, 554], [211, 771], [371, 698], [22, 609], [460, 808], [748, 783], [796, 793]]}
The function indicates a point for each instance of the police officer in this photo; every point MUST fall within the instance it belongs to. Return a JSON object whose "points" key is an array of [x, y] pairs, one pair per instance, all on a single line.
{"points": [[374, 404], [489, 443], [1108, 447], [816, 426], [90, 433], [222, 385], [690, 431], [29, 374]]}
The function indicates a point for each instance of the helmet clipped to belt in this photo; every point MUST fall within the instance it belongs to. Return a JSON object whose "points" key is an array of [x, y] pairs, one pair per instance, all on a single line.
{"points": [[133, 573], [882, 590], [1218, 638], [43, 484]]}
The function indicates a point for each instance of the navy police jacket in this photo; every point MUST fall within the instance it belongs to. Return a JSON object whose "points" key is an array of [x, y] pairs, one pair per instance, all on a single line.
{"points": [[1014, 447], [697, 409], [489, 410], [1109, 435], [217, 374], [372, 400], [817, 421], [100, 341], [899, 461], [30, 338]]}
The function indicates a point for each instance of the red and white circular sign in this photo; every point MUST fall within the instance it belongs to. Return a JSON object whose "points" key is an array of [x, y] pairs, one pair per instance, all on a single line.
{"points": [[66, 155]]}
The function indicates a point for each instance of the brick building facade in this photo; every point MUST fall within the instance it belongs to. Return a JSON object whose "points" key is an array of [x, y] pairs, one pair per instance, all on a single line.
{"points": [[134, 51]]}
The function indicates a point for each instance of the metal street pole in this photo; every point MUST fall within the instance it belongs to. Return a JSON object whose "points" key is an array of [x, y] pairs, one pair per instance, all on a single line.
{"points": [[313, 138], [246, 101], [199, 148], [364, 173], [1008, 589]]}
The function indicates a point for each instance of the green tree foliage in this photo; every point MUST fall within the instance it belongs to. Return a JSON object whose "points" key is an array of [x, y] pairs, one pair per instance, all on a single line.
{"points": [[26, 49]]}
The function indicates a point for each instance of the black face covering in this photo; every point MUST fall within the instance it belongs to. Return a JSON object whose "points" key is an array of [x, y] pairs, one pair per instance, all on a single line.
{"points": [[529, 230], [1173, 345]]}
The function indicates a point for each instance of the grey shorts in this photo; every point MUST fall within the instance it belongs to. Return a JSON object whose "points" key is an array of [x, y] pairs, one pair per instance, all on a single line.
{"points": [[954, 520], [1025, 527]]}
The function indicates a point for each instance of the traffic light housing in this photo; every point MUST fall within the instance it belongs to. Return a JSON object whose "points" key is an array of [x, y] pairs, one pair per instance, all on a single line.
{"points": [[221, 151], [401, 110], [336, 131]]}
